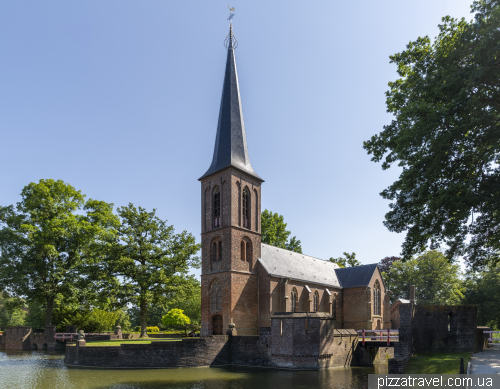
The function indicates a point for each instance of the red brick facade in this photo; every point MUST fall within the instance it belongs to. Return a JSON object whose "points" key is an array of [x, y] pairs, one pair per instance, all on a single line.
{"points": [[230, 249]]}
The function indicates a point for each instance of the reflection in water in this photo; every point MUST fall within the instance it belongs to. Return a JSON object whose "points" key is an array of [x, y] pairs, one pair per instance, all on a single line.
{"points": [[46, 370]]}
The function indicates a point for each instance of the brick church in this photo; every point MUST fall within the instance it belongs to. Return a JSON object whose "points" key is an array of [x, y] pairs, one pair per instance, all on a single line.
{"points": [[245, 281]]}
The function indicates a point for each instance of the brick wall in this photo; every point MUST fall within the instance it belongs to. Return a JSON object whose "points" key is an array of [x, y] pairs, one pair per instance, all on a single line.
{"points": [[367, 356], [444, 327], [17, 338], [252, 350], [303, 340], [403, 349], [192, 352], [360, 317], [237, 274]]}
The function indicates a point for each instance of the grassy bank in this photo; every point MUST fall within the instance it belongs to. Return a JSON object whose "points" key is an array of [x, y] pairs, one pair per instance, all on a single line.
{"points": [[437, 363], [131, 341]]}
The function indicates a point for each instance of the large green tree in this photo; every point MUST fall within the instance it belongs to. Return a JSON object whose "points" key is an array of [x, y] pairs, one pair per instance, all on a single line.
{"points": [[152, 260], [52, 242], [445, 137], [274, 232], [188, 298], [483, 290], [436, 280]]}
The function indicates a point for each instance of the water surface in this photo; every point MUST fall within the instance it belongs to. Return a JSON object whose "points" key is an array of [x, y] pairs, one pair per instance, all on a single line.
{"points": [[46, 370]]}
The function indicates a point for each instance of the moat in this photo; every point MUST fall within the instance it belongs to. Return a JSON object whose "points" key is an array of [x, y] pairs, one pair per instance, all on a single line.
{"points": [[46, 370]]}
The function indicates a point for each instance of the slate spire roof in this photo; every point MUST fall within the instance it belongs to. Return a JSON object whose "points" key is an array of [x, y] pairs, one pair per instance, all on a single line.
{"points": [[230, 142]]}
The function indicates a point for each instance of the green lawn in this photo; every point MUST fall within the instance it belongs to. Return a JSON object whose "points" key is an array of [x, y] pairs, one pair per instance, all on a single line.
{"points": [[131, 341], [437, 363]]}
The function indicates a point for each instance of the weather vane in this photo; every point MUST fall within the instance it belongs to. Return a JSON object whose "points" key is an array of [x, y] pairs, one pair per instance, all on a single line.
{"points": [[230, 41], [231, 14]]}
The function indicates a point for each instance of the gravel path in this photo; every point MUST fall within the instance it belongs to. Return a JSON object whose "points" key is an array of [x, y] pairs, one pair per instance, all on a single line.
{"points": [[487, 361]]}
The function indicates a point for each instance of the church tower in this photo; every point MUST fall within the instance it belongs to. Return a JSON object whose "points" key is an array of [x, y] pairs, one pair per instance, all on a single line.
{"points": [[230, 220]]}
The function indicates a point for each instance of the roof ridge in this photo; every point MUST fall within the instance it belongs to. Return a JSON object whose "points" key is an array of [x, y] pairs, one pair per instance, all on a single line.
{"points": [[310, 256], [353, 267]]}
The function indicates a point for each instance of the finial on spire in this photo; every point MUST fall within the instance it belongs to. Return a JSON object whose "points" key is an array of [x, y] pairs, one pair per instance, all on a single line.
{"points": [[230, 42], [231, 14]]}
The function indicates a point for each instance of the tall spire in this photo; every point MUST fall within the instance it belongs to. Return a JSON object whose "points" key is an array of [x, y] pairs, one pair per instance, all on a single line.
{"points": [[230, 141]]}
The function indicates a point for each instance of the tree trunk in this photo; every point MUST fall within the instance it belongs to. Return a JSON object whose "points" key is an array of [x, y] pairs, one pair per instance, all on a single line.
{"points": [[48, 311], [144, 318]]}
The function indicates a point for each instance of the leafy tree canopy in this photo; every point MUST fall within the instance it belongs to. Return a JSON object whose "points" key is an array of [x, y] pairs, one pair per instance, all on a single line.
{"points": [[436, 280], [11, 311], [446, 138], [274, 232], [188, 298], [348, 260], [151, 258], [385, 264], [483, 290], [51, 242], [175, 318]]}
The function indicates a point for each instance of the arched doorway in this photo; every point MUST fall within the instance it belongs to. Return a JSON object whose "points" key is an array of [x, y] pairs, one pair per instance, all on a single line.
{"points": [[217, 325], [379, 326]]}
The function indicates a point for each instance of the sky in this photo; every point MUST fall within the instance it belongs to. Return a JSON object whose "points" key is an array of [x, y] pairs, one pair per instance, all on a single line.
{"points": [[120, 99]]}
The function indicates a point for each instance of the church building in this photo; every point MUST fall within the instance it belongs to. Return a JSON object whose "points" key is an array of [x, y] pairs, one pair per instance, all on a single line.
{"points": [[245, 281]]}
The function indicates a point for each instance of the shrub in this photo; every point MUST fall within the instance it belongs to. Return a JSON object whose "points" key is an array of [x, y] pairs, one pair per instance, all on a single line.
{"points": [[176, 318], [137, 329], [152, 329]]}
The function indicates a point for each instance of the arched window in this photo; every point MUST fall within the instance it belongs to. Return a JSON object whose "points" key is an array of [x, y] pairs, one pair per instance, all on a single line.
{"points": [[376, 299], [246, 208], [334, 307], [216, 207], [216, 296], [293, 300], [243, 251], [214, 251], [249, 251], [316, 301]]}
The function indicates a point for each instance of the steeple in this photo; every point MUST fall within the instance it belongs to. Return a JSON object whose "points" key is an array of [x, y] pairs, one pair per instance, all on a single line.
{"points": [[230, 141]]}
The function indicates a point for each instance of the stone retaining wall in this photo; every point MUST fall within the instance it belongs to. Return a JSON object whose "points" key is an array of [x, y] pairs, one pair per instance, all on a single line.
{"points": [[190, 352]]}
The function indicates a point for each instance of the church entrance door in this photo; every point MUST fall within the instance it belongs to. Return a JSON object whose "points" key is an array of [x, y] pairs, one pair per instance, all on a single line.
{"points": [[217, 325]]}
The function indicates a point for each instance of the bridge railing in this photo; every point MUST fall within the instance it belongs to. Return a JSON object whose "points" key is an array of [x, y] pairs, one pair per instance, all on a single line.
{"points": [[380, 335], [490, 340]]}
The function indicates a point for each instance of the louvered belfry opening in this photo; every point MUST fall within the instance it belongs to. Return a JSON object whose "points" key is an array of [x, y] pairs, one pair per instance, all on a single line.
{"points": [[216, 197], [246, 208]]}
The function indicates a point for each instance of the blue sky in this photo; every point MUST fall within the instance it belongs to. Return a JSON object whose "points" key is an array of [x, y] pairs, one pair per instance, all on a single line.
{"points": [[120, 99]]}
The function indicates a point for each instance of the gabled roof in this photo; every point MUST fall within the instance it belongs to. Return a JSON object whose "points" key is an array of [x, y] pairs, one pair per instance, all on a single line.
{"points": [[289, 264], [230, 142], [357, 276]]}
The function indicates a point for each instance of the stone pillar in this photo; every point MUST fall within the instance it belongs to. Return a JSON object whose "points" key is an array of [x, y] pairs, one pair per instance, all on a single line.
{"points": [[81, 343], [285, 299], [118, 331], [50, 333]]}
